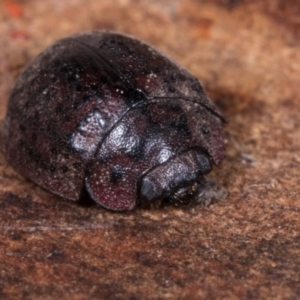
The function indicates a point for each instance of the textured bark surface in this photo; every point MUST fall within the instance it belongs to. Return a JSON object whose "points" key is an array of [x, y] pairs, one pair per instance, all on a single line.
{"points": [[246, 246]]}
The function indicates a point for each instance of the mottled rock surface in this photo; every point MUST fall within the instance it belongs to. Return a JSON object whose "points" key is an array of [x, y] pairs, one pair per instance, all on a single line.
{"points": [[246, 246]]}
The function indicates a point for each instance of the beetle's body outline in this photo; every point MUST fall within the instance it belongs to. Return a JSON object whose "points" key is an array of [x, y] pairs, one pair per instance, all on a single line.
{"points": [[79, 93]]}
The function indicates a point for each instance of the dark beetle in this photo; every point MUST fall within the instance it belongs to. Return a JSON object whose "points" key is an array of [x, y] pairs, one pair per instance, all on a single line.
{"points": [[106, 113]]}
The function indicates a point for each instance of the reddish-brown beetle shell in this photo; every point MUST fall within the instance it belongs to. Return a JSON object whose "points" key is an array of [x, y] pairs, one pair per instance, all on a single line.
{"points": [[101, 111]]}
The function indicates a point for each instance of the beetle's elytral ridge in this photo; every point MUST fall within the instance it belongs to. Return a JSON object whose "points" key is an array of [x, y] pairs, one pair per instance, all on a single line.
{"points": [[191, 100]]}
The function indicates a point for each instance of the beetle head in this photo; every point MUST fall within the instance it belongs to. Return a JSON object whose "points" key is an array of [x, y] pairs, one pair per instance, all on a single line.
{"points": [[178, 180]]}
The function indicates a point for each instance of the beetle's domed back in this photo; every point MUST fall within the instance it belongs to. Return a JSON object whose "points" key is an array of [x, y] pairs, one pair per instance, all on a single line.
{"points": [[145, 68], [82, 91]]}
